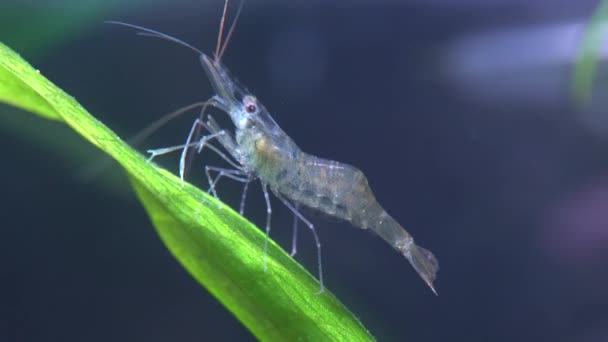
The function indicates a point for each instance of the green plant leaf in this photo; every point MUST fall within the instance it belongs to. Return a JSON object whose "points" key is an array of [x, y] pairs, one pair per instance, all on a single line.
{"points": [[221, 249], [587, 59]]}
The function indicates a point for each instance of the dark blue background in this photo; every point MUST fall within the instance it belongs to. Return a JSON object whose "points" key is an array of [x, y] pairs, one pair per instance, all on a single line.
{"points": [[496, 171]]}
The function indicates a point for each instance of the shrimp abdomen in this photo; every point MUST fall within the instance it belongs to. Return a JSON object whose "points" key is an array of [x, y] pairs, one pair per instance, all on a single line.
{"points": [[334, 188], [342, 191]]}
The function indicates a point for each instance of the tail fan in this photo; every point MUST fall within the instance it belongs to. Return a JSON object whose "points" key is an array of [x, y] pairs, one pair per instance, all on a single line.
{"points": [[425, 263]]}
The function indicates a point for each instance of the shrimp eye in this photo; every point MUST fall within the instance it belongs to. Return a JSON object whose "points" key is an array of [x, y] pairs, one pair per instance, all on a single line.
{"points": [[250, 104], [250, 108]]}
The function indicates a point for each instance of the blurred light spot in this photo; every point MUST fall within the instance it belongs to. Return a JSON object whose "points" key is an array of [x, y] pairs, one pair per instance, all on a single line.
{"points": [[297, 63], [519, 66]]}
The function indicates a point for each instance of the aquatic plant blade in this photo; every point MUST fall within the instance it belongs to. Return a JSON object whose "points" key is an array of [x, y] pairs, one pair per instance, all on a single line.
{"points": [[586, 63], [17, 93], [222, 250]]}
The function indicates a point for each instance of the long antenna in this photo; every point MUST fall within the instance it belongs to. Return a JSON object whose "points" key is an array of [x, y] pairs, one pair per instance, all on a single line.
{"points": [[218, 56], [221, 31], [151, 33], [154, 126]]}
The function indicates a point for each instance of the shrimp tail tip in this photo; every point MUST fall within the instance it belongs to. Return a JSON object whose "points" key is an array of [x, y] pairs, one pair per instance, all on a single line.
{"points": [[433, 289], [429, 283], [425, 264]]}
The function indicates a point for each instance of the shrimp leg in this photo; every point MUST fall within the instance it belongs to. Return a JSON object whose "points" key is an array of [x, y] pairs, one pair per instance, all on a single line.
{"points": [[294, 238], [232, 174], [222, 172], [213, 101], [216, 133], [198, 144], [244, 195], [182, 159], [226, 140], [268, 215], [314, 233]]}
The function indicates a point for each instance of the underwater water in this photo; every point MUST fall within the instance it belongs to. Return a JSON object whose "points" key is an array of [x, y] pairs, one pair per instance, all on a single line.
{"points": [[460, 114]]}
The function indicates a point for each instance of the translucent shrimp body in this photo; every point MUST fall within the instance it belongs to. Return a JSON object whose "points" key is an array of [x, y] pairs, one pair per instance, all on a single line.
{"points": [[259, 149], [334, 188]]}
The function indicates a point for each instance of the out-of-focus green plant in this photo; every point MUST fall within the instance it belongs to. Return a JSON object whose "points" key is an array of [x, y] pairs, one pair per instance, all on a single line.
{"points": [[36, 27], [586, 62]]}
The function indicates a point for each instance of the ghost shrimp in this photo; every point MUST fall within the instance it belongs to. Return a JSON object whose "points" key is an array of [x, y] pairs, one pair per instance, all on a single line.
{"points": [[259, 149]]}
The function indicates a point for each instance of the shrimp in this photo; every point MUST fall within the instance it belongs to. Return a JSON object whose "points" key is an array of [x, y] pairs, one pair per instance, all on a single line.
{"points": [[259, 149]]}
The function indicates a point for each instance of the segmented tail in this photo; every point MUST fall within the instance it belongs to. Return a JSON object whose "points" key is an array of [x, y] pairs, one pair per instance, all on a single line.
{"points": [[425, 263]]}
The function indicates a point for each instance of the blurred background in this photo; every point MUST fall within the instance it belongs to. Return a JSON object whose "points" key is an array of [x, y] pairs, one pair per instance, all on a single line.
{"points": [[463, 115]]}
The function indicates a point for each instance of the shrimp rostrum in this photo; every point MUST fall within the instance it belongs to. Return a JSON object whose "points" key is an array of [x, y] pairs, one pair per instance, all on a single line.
{"points": [[261, 150]]}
